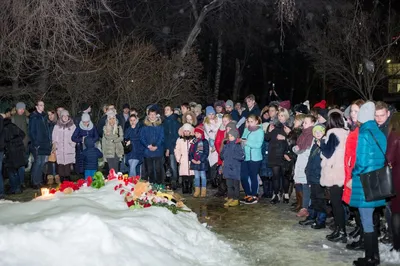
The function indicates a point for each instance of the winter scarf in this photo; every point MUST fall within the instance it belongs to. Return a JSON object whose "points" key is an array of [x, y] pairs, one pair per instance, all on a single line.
{"points": [[83, 127], [305, 139], [199, 149], [65, 125], [252, 129], [147, 122]]}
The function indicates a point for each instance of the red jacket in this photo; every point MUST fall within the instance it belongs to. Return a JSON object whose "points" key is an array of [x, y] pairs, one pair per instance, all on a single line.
{"points": [[349, 161], [219, 139], [393, 155]]}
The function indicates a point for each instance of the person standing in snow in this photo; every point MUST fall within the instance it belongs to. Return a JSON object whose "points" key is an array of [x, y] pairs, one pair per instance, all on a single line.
{"points": [[152, 137], [171, 127], [40, 136], [198, 156], [132, 136], [65, 147], [85, 129], [90, 157], [232, 155], [113, 136], [211, 126], [182, 148]]}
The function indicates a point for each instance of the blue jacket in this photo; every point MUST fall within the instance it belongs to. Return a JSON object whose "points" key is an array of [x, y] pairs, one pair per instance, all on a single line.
{"points": [[91, 155], [232, 154], [77, 137], [171, 127], [199, 154], [133, 135], [368, 158], [254, 143], [39, 133], [313, 168], [152, 134], [235, 115]]}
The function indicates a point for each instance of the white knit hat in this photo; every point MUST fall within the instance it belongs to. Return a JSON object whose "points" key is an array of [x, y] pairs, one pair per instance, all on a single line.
{"points": [[64, 112], [187, 127], [366, 113], [85, 117]]}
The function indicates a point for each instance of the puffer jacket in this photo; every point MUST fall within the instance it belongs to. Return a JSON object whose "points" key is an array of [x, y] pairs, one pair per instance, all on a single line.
{"points": [[332, 169], [133, 135], [81, 132], [112, 144], [232, 154], [254, 143], [182, 155], [199, 151], [313, 168], [14, 145], [369, 158], [349, 161], [65, 147], [277, 148], [91, 155], [39, 133], [152, 133]]}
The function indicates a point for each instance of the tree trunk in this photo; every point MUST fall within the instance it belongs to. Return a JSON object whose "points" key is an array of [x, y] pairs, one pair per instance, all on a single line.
{"points": [[219, 67], [210, 65], [238, 80], [197, 27]]}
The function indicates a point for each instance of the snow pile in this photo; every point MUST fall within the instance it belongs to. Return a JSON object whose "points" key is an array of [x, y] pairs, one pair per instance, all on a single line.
{"points": [[95, 227]]}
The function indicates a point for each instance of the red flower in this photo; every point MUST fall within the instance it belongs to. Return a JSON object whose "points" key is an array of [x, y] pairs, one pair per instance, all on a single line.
{"points": [[130, 179], [89, 181], [132, 189], [146, 205], [116, 187], [120, 185], [130, 203], [53, 191], [121, 192]]}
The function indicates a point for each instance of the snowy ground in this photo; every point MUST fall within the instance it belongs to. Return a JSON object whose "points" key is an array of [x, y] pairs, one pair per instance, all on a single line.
{"points": [[270, 235], [94, 227]]}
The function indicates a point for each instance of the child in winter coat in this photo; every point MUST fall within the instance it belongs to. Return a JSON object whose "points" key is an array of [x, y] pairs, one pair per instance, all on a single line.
{"points": [[302, 149], [181, 151], [198, 156], [91, 156], [232, 154], [317, 210]]}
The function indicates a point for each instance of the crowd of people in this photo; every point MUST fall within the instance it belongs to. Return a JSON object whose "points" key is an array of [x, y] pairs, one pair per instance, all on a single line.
{"points": [[320, 153]]}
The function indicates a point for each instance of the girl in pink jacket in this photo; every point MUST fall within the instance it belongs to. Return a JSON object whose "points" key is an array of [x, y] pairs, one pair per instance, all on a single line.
{"points": [[186, 133]]}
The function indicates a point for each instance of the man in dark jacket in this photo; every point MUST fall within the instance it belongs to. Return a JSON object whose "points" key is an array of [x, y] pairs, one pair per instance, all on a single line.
{"points": [[152, 137], [39, 134], [14, 159], [382, 118], [1, 155], [251, 109], [171, 127]]}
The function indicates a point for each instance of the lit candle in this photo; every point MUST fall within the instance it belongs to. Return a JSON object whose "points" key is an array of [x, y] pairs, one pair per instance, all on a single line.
{"points": [[45, 192]]}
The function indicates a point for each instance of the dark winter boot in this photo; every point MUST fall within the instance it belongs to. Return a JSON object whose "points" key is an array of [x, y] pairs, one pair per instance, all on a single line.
{"points": [[267, 187], [356, 232], [371, 258], [340, 236], [185, 185], [320, 221], [396, 231], [377, 222], [312, 215], [275, 199], [357, 245]]}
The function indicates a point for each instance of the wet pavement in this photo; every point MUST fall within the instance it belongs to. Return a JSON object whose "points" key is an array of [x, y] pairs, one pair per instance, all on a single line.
{"points": [[267, 234]]}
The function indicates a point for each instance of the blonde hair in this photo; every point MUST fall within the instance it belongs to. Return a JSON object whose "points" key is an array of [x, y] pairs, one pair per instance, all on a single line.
{"points": [[285, 112], [300, 117]]}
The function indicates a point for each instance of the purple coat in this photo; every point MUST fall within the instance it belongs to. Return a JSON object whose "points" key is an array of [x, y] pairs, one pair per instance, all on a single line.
{"points": [[65, 147]]}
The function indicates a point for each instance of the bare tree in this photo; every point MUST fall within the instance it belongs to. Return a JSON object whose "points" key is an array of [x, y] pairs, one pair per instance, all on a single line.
{"points": [[36, 37], [350, 45], [141, 75]]}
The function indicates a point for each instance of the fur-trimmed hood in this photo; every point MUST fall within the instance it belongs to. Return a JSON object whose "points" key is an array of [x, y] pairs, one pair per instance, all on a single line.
{"points": [[147, 122], [193, 115], [67, 124]]}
